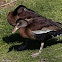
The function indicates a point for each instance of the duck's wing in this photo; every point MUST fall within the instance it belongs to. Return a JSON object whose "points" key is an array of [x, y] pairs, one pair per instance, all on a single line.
{"points": [[38, 23], [46, 29], [47, 34]]}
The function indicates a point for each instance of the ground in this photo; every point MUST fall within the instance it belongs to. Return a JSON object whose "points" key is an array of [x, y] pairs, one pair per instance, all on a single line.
{"points": [[2, 2], [52, 51], [7, 4]]}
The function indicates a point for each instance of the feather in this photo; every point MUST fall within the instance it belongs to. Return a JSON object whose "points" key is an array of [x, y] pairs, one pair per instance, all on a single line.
{"points": [[48, 35], [41, 31]]}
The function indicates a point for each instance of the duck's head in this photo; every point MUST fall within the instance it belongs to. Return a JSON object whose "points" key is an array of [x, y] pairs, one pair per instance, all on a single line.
{"points": [[12, 19], [20, 23], [19, 12], [13, 15], [19, 9]]}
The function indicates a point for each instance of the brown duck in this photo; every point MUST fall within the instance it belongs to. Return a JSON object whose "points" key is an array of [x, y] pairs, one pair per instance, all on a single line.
{"points": [[38, 28], [32, 25], [23, 12]]}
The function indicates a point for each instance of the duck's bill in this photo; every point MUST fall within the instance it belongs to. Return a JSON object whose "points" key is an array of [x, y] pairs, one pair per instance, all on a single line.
{"points": [[15, 29]]}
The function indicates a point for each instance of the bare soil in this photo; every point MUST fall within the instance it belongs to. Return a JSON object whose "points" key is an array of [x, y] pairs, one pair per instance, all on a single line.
{"points": [[2, 4]]}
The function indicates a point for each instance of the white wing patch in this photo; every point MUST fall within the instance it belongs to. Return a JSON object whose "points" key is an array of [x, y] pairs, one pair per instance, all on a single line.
{"points": [[41, 31]]}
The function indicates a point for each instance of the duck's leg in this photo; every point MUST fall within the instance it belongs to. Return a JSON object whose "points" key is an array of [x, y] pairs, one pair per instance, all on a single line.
{"points": [[36, 54]]}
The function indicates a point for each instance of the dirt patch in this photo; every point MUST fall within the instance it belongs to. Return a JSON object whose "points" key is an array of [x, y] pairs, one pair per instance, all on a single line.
{"points": [[7, 5], [2, 2]]}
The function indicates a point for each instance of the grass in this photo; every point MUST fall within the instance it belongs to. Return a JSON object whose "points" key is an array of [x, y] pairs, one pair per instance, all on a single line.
{"points": [[51, 9]]}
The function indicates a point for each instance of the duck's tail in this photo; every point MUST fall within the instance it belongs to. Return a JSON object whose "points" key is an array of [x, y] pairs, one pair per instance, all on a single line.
{"points": [[59, 24]]}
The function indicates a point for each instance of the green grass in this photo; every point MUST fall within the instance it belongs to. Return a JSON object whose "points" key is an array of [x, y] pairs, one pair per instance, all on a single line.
{"points": [[48, 8]]}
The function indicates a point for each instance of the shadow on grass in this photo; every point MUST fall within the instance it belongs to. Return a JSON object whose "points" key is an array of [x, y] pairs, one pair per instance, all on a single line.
{"points": [[27, 43], [13, 38]]}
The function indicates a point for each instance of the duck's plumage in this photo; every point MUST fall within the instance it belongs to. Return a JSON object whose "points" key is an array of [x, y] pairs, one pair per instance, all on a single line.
{"points": [[39, 29], [21, 12], [36, 26], [48, 35], [38, 23]]}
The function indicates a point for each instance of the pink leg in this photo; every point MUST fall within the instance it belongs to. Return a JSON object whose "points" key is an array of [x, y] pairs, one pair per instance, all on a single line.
{"points": [[36, 54]]}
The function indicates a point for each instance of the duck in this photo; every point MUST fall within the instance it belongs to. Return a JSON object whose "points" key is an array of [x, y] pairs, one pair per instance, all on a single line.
{"points": [[38, 28], [21, 12]]}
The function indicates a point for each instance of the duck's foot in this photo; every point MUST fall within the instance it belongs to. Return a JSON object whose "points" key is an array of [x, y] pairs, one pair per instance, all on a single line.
{"points": [[35, 54]]}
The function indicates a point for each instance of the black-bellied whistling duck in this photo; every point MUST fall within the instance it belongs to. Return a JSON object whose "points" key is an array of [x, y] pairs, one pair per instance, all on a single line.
{"points": [[21, 12], [38, 28]]}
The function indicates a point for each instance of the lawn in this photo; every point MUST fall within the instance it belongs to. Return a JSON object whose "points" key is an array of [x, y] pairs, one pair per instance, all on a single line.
{"points": [[52, 52]]}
